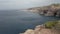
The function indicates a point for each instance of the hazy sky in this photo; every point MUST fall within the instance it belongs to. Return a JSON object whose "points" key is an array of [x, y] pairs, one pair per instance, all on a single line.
{"points": [[18, 4]]}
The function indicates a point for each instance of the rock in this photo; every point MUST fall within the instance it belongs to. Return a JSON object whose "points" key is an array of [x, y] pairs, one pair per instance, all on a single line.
{"points": [[48, 31], [49, 13], [58, 13], [40, 29], [29, 31]]}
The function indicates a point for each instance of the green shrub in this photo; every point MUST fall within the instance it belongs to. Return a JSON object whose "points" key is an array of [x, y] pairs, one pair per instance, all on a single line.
{"points": [[50, 24]]}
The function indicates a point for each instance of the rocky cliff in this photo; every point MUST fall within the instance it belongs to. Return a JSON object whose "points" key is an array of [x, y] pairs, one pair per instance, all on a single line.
{"points": [[51, 10], [41, 29]]}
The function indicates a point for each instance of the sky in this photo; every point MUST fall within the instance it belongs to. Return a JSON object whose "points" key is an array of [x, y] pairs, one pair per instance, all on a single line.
{"points": [[20, 4]]}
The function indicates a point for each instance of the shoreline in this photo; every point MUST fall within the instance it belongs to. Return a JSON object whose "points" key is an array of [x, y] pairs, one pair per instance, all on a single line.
{"points": [[51, 10]]}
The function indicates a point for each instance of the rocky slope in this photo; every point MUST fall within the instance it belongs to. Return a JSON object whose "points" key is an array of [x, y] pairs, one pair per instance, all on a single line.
{"points": [[51, 10], [41, 29]]}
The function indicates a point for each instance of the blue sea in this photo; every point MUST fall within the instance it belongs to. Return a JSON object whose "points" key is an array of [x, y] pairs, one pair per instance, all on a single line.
{"points": [[17, 21]]}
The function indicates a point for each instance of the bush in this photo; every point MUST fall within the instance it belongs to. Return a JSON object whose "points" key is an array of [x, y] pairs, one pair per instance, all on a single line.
{"points": [[50, 24]]}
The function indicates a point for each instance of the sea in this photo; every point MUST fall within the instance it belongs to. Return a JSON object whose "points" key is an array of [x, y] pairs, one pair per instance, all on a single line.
{"points": [[18, 21]]}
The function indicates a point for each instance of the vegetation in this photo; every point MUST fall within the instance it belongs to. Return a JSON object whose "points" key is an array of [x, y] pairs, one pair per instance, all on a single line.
{"points": [[50, 24], [55, 5]]}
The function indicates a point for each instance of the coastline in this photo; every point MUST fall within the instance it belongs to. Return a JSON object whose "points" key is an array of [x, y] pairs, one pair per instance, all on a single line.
{"points": [[41, 29], [51, 10]]}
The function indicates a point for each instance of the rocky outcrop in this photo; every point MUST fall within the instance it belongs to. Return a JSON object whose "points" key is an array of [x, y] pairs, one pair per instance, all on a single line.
{"points": [[51, 10], [41, 29]]}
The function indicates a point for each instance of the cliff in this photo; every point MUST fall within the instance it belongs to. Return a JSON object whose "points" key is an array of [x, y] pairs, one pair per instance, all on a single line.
{"points": [[41, 29], [51, 10]]}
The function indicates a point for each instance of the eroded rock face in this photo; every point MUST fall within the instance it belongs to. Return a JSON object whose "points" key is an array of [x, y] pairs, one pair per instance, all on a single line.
{"points": [[52, 10], [40, 29]]}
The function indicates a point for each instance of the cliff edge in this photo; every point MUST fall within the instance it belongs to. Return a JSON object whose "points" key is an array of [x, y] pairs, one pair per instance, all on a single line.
{"points": [[42, 29]]}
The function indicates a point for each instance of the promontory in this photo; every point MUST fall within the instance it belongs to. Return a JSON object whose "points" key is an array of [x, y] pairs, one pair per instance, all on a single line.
{"points": [[50, 10]]}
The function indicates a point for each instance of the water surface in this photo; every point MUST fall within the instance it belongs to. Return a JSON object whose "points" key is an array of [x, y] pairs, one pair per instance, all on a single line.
{"points": [[15, 22]]}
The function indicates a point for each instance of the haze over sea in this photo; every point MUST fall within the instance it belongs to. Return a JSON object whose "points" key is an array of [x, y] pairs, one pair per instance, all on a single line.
{"points": [[14, 21]]}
